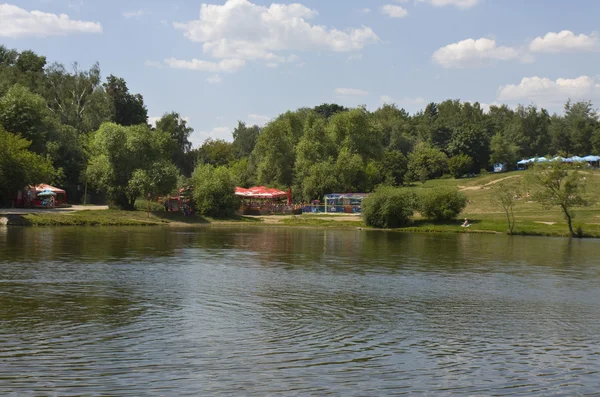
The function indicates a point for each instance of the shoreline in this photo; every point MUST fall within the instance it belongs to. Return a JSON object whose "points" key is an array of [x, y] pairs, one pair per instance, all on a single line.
{"points": [[480, 223]]}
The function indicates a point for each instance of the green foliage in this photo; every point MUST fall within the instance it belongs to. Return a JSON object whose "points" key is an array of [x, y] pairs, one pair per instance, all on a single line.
{"points": [[241, 172], [327, 110], [442, 204], [177, 128], [23, 112], [275, 153], [505, 195], [394, 167], [76, 97], [214, 191], [19, 167], [244, 139], [216, 152], [354, 131], [129, 162], [321, 180], [127, 109], [503, 151], [389, 207], [459, 165], [559, 185], [426, 162]]}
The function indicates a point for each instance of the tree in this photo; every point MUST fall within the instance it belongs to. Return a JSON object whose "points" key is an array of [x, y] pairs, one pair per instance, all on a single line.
{"points": [[426, 162], [77, 97], [214, 191], [128, 109], [394, 167], [559, 185], [23, 112], [505, 194], [321, 180], [459, 165], [216, 152], [129, 162], [177, 128], [581, 121], [503, 151], [327, 110], [274, 153], [442, 204], [244, 139], [354, 131], [20, 167], [389, 207]]}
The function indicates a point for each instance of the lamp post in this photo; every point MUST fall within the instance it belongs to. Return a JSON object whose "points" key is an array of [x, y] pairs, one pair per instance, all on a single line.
{"points": [[148, 201]]}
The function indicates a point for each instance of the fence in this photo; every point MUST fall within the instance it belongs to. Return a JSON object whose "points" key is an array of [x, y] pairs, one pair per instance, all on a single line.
{"points": [[332, 209]]}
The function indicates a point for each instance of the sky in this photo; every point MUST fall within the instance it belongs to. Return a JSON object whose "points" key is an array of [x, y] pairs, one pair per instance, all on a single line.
{"points": [[217, 62]]}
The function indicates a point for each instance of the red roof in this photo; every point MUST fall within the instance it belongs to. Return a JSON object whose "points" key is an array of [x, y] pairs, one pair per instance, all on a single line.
{"points": [[260, 192], [42, 186]]}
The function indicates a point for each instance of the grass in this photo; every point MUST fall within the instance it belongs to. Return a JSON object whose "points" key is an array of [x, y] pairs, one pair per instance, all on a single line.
{"points": [[484, 215], [124, 218]]}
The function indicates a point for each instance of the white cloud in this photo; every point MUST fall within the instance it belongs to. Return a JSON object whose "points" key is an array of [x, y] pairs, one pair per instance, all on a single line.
{"points": [[355, 57], [226, 65], [393, 11], [17, 22], [474, 53], [564, 41], [258, 119], [350, 92], [152, 120], [153, 64], [547, 92], [240, 29], [135, 13], [456, 3], [216, 79], [365, 10]]}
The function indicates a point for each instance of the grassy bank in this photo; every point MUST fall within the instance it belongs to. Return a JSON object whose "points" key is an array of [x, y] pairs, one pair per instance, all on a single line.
{"points": [[123, 218], [483, 214]]}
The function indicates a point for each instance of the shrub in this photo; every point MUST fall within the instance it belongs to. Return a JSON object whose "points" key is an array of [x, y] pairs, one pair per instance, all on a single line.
{"points": [[214, 191], [389, 207], [442, 204], [460, 165]]}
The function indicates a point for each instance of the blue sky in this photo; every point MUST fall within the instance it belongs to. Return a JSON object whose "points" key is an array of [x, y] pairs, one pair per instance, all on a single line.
{"points": [[222, 61]]}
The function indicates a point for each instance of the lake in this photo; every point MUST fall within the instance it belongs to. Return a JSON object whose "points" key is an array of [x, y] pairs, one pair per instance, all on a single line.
{"points": [[291, 311]]}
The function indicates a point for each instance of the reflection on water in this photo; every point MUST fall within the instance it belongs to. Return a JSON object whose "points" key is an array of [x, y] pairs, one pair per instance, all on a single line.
{"points": [[275, 311]]}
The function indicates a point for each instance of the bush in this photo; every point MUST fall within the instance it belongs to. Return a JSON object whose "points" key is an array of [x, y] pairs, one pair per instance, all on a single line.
{"points": [[214, 191], [389, 207], [142, 205], [460, 165], [442, 204]]}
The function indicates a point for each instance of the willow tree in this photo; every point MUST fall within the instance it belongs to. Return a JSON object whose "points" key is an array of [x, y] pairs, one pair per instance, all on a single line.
{"points": [[559, 185]]}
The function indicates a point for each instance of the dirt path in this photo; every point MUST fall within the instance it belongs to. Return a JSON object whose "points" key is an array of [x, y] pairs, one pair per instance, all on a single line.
{"points": [[464, 188]]}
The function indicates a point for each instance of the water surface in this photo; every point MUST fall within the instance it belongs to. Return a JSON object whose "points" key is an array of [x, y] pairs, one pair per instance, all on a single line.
{"points": [[276, 311]]}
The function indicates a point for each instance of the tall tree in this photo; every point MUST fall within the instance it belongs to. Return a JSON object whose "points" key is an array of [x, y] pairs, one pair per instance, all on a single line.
{"points": [[128, 109], [129, 162], [23, 112], [77, 97], [244, 139], [180, 132]]}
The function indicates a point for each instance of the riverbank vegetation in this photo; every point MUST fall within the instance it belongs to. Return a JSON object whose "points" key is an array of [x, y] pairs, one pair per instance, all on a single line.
{"points": [[71, 127]]}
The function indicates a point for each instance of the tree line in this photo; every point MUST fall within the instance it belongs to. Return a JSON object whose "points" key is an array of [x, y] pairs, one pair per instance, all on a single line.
{"points": [[68, 126]]}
